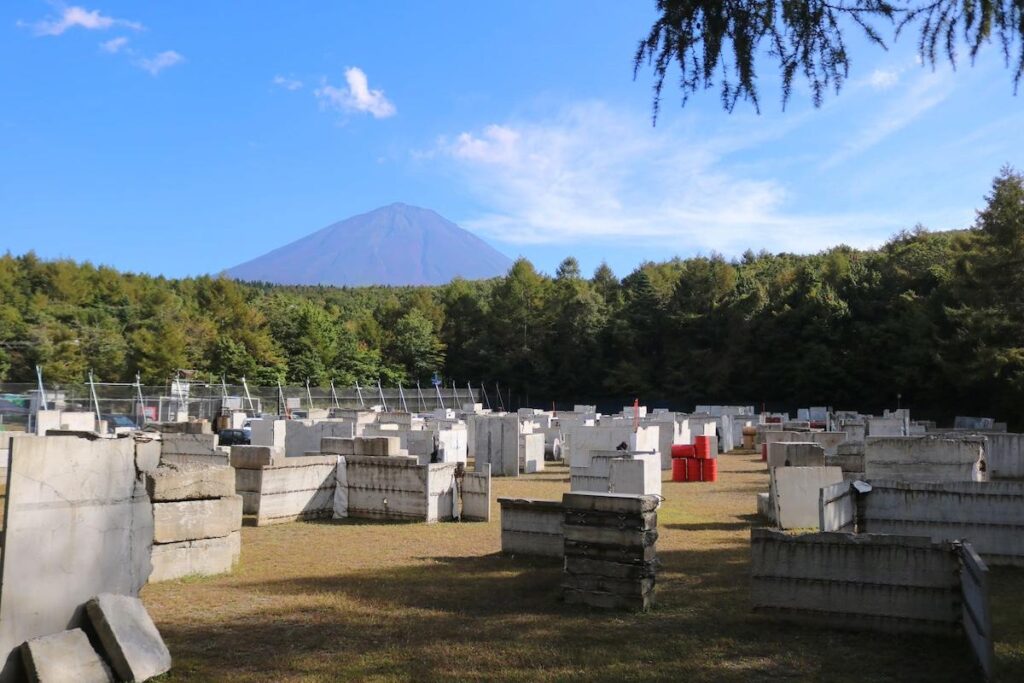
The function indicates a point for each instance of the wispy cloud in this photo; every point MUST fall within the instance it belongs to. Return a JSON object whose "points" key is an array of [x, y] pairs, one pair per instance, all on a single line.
{"points": [[357, 96], [287, 83], [114, 45], [72, 17], [883, 79], [927, 91], [592, 173], [154, 65]]}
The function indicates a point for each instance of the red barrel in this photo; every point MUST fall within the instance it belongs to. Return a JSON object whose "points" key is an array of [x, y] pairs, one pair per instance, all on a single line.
{"points": [[682, 450], [764, 452], [702, 446], [709, 469], [692, 469], [678, 469]]}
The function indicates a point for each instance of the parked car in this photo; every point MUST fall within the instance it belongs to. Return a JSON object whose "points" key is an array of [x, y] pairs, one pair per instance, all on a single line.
{"points": [[119, 424], [233, 437]]}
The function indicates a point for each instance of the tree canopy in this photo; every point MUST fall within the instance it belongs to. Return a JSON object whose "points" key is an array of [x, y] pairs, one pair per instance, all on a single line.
{"points": [[723, 40]]}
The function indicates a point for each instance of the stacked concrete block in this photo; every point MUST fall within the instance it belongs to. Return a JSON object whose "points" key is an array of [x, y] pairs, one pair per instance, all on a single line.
{"points": [[610, 552], [304, 436], [532, 527], [196, 520], [619, 472], [200, 449], [849, 458], [925, 458], [128, 636], [795, 454], [279, 489]]}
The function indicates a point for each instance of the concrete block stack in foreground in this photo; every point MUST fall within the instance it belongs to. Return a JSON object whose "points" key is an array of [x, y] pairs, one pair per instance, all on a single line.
{"points": [[610, 555], [196, 520]]}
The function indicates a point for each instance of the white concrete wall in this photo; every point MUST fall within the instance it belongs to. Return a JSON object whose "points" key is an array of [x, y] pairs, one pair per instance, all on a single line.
{"points": [[925, 458], [531, 527], [1005, 455]]}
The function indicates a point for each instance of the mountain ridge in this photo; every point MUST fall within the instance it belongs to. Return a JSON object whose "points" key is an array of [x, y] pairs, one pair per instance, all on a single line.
{"points": [[398, 245]]}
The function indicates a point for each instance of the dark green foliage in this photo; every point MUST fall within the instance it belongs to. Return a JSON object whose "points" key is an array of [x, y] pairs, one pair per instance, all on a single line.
{"points": [[937, 318], [725, 41]]}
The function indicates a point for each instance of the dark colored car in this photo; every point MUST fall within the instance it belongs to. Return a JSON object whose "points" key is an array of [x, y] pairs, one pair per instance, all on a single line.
{"points": [[233, 437], [117, 424]]}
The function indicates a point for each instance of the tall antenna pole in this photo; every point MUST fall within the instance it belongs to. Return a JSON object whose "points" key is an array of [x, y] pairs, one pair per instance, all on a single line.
{"points": [[380, 392], [281, 403], [142, 400]]}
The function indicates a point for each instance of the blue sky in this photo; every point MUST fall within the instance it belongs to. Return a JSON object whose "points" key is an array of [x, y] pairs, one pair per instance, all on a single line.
{"points": [[183, 139]]}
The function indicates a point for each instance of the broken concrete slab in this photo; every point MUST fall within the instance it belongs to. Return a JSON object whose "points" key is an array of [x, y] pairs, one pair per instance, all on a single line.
{"points": [[128, 636], [172, 482], [78, 523], [64, 657]]}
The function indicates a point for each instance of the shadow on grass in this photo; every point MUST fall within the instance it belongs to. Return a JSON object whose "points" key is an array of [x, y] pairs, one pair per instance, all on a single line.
{"points": [[500, 617]]}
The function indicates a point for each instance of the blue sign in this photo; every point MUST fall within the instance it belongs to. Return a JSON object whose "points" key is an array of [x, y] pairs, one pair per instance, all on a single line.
{"points": [[435, 380]]}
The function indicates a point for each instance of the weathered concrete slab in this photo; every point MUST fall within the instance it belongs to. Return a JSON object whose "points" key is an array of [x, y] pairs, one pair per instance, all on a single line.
{"points": [[925, 458], [278, 508], [254, 457], [476, 495], [610, 502], [188, 444], [65, 657], [78, 522], [341, 489], [189, 482], [531, 527], [190, 520], [795, 494], [129, 637], [205, 557], [795, 454], [147, 454]]}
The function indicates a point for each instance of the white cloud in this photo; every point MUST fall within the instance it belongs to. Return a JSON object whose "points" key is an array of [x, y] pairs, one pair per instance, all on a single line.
{"points": [[287, 83], [73, 16], [357, 96], [595, 174], [925, 93], [883, 79], [114, 45], [154, 65]]}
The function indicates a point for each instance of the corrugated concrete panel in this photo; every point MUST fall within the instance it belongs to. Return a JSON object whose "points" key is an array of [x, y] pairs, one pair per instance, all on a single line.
{"points": [[531, 527], [925, 458], [988, 514], [903, 584], [78, 523], [1005, 455]]}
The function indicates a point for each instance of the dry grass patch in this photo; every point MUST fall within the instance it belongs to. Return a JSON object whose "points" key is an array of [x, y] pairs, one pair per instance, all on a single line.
{"points": [[370, 601]]}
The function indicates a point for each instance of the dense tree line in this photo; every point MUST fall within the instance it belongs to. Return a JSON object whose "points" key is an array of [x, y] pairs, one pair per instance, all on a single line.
{"points": [[935, 317]]}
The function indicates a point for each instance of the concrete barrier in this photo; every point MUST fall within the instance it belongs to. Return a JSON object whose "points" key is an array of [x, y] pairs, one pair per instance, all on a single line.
{"points": [[900, 584], [1005, 455], [618, 472], [988, 514], [531, 527], [795, 454], [496, 442], [794, 493], [279, 489], [925, 458]]}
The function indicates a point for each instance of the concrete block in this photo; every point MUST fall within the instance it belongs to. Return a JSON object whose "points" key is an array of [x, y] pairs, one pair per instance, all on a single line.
{"points": [[188, 444], [194, 519], [189, 482], [278, 508], [622, 538], [308, 477], [147, 454], [78, 522], [1005, 455], [338, 445], [65, 657], [341, 489], [925, 458], [610, 502], [204, 557], [476, 495], [610, 553], [531, 527], [254, 457], [795, 454], [795, 494], [585, 566], [609, 601], [132, 643]]}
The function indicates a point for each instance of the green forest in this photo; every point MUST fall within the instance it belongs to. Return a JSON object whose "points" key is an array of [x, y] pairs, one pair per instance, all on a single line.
{"points": [[935, 317]]}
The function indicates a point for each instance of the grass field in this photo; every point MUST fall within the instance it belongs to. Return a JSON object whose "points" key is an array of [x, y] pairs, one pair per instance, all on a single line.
{"points": [[369, 601]]}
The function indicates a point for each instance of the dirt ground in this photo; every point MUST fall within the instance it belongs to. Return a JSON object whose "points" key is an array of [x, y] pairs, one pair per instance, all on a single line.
{"points": [[369, 601]]}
